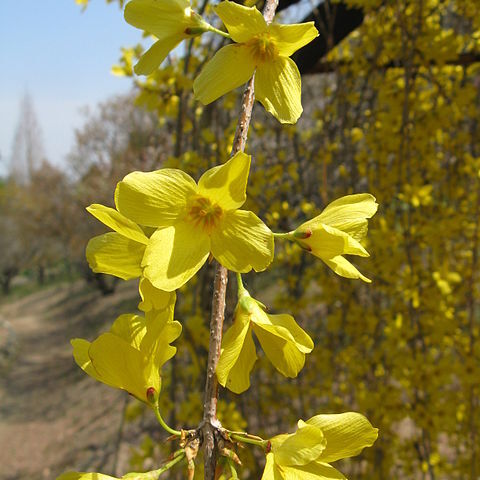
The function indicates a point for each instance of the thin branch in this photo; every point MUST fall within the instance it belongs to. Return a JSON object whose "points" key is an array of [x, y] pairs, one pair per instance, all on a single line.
{"points": [[210, 424]]}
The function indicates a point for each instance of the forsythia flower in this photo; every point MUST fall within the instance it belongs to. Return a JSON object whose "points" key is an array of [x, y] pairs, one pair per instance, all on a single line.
{"points": [[338, 230], [153, 475], [306, 454], [171, 21], [120, 252], [282, 340], [260, 48], [193, 221], [131, 354]]}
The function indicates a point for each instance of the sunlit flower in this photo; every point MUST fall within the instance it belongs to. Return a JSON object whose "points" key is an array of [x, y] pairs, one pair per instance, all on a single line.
{"points": [[193, 220], [337, 231], [306, 454], [171, 21], [132, 353], [260, 48], [283, 341]]}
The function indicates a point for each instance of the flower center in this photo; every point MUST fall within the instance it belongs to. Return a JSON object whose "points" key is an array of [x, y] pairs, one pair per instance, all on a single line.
{"points": [[263, 48], [204, 214]]}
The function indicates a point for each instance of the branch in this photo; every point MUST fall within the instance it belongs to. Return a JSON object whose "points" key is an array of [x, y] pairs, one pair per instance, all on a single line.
{"points": [[210, 425]]}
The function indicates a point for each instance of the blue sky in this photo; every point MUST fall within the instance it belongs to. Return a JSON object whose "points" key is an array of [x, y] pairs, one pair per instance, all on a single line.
{"points": [[62, 57]]}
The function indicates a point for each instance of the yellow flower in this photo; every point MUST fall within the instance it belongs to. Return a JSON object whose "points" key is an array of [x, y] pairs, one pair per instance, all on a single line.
{"points": [[132, 353], [306, 454], [153, 475], [120, 252], [171, 21], [193, 221], [281, 338], [338, 230], [260, 48]]}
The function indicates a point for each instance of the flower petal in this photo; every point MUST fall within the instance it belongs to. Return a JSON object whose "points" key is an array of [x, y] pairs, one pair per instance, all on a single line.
{"points": [[303, 447], [313, 471], [302, 340], [161, 331], [153, 298], [229, 68], [281, 349], [156, 54], [279, 88], [227, 184], [85, 476], [290, 38], [238, 356], [174, 255], [242, 22], [349, 214], [121, 366], [341, 266], [130, 328], [347, 434], [326, 242], [163, 18], [271, 471], [242, 242], [80, 354], [115, 254], [117, 222], [154, 199]]}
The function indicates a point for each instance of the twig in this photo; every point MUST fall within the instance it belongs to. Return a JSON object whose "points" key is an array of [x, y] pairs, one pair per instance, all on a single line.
{"points": [[210, 424]]}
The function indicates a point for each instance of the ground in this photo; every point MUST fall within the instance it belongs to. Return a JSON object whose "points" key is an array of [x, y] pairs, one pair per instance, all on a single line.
{"points": [[53, 417]]}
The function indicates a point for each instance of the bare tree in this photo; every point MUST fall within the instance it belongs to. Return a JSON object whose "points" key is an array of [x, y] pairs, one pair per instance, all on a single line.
{"points": [[27, 148]]}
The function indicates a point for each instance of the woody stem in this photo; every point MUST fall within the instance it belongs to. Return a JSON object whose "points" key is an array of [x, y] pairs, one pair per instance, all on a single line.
{"points": [[210, 423]]}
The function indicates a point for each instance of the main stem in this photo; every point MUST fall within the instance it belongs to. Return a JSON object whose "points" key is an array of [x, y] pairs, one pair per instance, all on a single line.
{"points": [[210, 422]]}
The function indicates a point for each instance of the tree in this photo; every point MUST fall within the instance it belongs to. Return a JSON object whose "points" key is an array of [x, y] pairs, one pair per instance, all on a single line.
{"points": [[27, 148]]}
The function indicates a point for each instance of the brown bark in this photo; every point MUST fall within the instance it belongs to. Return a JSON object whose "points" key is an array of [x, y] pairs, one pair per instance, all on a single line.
{"points": [[210, 424]]}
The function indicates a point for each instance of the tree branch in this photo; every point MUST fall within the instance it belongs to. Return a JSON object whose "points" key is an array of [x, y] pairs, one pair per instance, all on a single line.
{"points": [[210, 424]]}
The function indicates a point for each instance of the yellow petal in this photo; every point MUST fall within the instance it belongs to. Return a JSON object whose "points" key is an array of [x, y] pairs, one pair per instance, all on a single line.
{"points": [[279, 88], [290, 38], [153, 298], [302, 340], [163, 19], [120, 365], [312, 471], [242, 22], [347, 434], [156, 343], [115, 254], [231, 66], [174, 255], [238, 356], [154, 199], [341, 266], [131, 328], [280, 348], [349, 214], [242, 242], [227, 184], [327, 242], [271, 471], [116, 221], [85, 476], [156, 54], [303, 447], [80, 354]]}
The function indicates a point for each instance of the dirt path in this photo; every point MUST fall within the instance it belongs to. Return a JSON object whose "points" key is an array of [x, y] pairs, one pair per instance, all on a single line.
{"points": [[52, 416]]}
